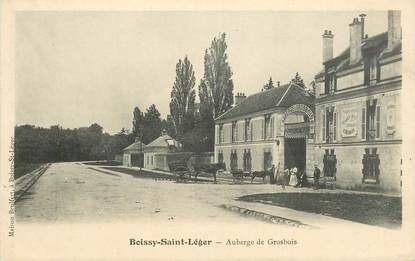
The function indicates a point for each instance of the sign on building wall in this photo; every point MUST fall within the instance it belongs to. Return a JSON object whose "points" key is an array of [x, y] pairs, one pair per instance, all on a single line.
{"points": [[349, 123]]}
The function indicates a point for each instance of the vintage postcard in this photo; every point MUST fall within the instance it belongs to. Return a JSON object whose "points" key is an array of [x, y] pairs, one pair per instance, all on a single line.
{"points": [[207, 131]]}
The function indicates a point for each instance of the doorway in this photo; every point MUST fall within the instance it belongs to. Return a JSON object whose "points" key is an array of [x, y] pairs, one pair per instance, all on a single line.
{"points": [[295, 153]]}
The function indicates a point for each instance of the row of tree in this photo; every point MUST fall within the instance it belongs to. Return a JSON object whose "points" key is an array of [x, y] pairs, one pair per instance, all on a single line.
{"points": [[189, 122]]}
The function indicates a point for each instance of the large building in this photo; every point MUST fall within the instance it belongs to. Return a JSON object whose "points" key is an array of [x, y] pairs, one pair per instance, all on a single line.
{"points": [[358, 109], [270, 127]]}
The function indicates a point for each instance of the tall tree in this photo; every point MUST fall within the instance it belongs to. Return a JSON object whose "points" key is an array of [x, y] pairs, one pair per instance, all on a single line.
{"points": [[138, 121], [168, 125], [298, 80], [152, 124], [182, 102], [269, 84], [216, 87]]}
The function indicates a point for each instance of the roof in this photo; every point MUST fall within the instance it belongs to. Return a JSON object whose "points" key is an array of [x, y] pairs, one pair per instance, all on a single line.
{"points": [[162, 141], [282, 96], [135, 146], [376, 43]]}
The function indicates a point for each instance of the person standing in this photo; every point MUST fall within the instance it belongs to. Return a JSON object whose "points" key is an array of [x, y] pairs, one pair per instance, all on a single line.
{"points": [[317, 173], [293, 177], [284, 176], [271, 173]]}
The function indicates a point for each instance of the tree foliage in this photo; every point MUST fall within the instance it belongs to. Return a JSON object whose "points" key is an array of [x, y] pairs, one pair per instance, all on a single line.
{"points": [[138, 123], [152, 124], [216, 87], [298, 80], [269, 84], [183, 95], [168, 125]]}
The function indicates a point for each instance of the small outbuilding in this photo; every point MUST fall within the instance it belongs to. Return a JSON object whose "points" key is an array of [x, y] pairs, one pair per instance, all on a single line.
{"points": [[133, 155], [157, 152]]}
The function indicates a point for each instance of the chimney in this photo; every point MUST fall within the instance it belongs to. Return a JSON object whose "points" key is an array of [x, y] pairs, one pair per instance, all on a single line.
{"points": [[327, 45], [163, 132], [355, 41], [362, 20], [239, 97], [394, 28]]}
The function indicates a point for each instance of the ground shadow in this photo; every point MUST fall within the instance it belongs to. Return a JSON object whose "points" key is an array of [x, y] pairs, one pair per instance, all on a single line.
{"points": [[378, 210]]}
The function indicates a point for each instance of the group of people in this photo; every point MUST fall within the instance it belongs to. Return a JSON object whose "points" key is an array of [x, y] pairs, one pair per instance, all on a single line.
{"points": [[295, 178]]}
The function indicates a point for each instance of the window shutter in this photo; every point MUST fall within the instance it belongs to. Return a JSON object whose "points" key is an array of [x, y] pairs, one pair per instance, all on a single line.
{"points": [[378, 122], [243, 131], [363, 123], [335, 126], [272, 128], [251, 130], [323, 136], [217, 135], [263, 128]]}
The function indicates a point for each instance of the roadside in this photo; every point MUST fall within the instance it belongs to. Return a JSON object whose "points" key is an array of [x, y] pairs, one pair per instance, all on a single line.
{"points": [[298, 207], [23, 183], [25, 168]]}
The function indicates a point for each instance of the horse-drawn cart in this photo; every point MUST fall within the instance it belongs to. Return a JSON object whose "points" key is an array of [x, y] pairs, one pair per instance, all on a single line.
{"points": [[186, 169]]}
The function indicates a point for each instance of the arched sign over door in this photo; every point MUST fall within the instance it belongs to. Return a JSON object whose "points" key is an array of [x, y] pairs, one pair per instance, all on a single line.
{"points": [[303, 109]]}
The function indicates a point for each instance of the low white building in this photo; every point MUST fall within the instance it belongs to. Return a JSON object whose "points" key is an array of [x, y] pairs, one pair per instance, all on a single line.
{"points": [[133, 155], [163, 145]]}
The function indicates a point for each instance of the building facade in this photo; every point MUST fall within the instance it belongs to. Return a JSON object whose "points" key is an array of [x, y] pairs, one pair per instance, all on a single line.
{"points": [[270, 127], [358, 109], [133, 155], [157, 152]]}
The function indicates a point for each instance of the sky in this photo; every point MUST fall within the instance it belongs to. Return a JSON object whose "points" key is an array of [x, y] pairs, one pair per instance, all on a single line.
{"points": [[76, 68]]}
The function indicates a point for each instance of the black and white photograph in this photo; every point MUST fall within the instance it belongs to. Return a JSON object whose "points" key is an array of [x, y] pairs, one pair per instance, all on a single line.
{"points": [[206, 134]]}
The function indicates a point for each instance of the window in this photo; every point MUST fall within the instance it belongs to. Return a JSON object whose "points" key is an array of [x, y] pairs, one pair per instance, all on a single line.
{"points": [[247, 130], [234, 131], [363, 123], [234, 160], [247, 160], [220, 157], [267, 159], [262, 129], [371, 164], [148, 160], [330, 83], [329, 164], [151, 160], [378, 122], [323, 135], [373, 69], [268, 126], [371, 124]]}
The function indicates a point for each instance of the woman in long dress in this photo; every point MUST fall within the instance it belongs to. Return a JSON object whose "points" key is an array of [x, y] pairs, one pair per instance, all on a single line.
{"points": [[293, 177]]}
